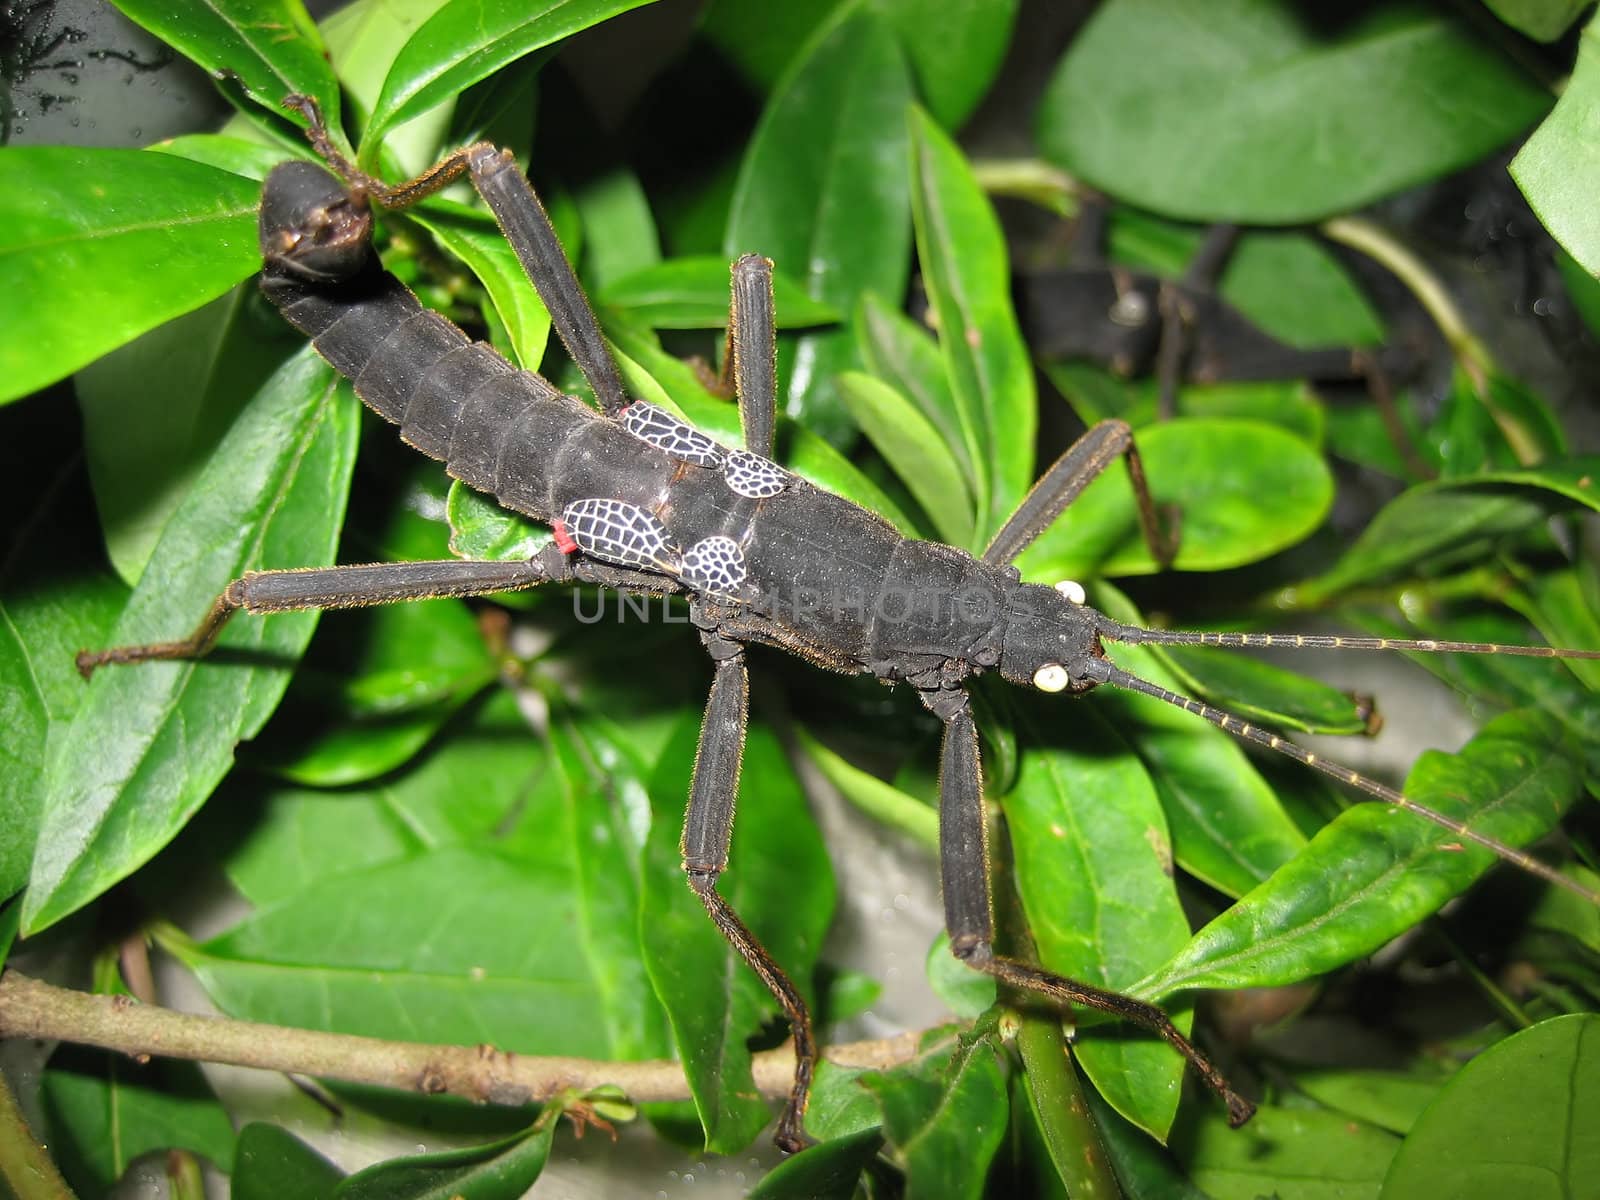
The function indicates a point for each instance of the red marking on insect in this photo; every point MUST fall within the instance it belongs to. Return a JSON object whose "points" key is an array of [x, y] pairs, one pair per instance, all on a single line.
{"points": [[564, 540]]}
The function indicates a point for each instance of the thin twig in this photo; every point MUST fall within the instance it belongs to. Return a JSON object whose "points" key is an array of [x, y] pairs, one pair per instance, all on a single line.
{"points": [[30, 1008]]}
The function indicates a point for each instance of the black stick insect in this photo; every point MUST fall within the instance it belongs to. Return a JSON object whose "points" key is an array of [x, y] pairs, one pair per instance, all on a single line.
{"points": [[640, 500]]}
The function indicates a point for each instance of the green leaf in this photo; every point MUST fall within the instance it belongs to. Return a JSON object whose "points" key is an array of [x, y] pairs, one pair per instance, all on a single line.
{"points": [[1290, 1154], [692, 293], [904, 355], [149, 742], [1457, 518], [459, 791], [965, 992], [873, 796], [469, 40], [1542, 20], [827, 1171], [1253, 112], [1376, 871], [133, 238], [1258, 690], [956, 48], [942, 1131], [480, 528], [189, 379], [104, 1112], [1518, 1117], [714, 1001], [1093, 866], [1390, 1100], [1215, 471], [820, 191], [272, 46], [272, 1164], [1558, 168], [964, 268], [502, 1170], [477, 241], [913, 447], [621, 237]]}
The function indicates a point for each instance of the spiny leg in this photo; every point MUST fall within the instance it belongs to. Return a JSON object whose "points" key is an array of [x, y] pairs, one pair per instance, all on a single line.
{"points": [[964, 878], [752, 351], [1067, 477], [707, 831], [353, 586], [524, 222]]}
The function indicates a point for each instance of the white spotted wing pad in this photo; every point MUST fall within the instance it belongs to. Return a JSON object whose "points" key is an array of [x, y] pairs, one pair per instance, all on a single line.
{"points": [[754, 476], [617, 532], [714, 564], [665, 432]]}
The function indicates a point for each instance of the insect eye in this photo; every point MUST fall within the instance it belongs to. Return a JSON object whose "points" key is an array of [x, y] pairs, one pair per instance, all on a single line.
{"points": [[1052, 677]]}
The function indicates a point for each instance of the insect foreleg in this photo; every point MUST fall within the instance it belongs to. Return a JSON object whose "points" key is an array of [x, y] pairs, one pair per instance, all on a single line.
{"points": [[1075, 470], [331, 587], [964, 879], [707, 831], [752, 351]]}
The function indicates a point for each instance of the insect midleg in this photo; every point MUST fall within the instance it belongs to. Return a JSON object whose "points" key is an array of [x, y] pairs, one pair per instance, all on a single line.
{"points": [[354, 586], [707, 833], [964, 878], [1058, 487], [752, 350]]}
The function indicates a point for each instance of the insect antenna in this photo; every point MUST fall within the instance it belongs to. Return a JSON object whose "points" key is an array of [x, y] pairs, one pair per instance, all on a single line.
{"points": [[1107, 672]]}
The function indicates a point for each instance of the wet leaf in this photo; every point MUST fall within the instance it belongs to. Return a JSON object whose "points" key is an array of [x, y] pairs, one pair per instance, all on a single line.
{"points": [[1517, 1116], [822, 193], [134, 238], [1266, 113], [149, 743]]}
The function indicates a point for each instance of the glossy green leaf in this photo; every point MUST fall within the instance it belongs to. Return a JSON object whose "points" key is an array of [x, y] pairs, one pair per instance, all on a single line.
{"points": [[621, 231], [502, 1170], [822, 194], [1542, 20], [1376, 871], [1261, 691], [965, 992], [188, 379], [481, 529], [1517, 1118], [912, 446], [1561, 605], [956, 48], [1253, 111], [1291, 1154], [376, 686], [1215, 471], [460, 790], [105, 1111], [272, 1164], [133, 238], [272, 46], [149, 742], [692, 293], [964, 267], [1228, 827], [1582, 288], [56, 597], [943, 1131], [873, 796], [236, 155], [903, 354], [714, 1001], [763, 41], [1558, 168], [1093, 866], [469, 40], [827, 1171], [1458, 518]]}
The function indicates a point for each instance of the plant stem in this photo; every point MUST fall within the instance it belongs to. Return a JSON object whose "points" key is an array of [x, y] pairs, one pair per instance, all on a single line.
{"points": [[25, 1167], [30, 1008]]}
